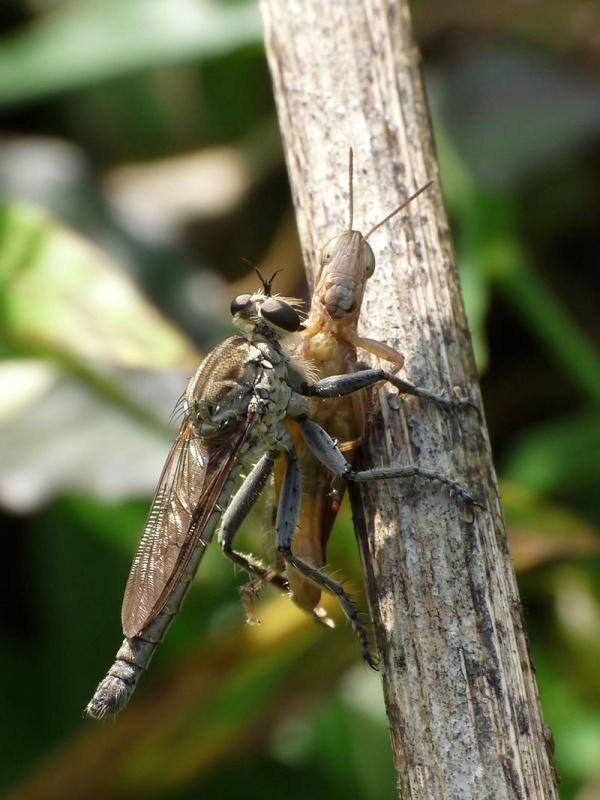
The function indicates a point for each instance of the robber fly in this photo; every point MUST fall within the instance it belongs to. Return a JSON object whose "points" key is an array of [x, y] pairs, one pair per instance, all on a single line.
{"points": [[329, 342], [234, 413]]}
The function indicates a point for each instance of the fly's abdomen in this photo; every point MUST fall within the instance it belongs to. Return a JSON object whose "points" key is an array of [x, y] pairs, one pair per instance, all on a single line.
{"points": [[116, 688]]}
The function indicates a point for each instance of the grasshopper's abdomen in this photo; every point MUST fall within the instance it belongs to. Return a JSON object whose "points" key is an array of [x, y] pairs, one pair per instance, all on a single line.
{"points": [[321, 493]]}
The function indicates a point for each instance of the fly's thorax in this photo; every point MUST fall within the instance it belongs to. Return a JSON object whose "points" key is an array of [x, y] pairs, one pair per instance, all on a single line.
{"points": [[223, 368], [271, 353], [271, 397], [284, 375], [237, 379], [218, 395]]}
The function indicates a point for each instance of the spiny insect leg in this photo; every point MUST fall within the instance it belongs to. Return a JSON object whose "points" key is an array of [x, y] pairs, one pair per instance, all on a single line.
{"points": [[287, 514], [325, 449], [341, 385], [236, 512]]}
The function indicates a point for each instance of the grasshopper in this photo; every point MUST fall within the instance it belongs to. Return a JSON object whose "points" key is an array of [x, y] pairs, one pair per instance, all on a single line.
{"points": [[329, 342], [235, 408]]}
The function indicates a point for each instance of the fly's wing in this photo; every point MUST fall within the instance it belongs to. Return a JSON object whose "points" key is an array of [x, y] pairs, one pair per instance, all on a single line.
{"points": [[189, 487], [191, 482], [178, 493]]}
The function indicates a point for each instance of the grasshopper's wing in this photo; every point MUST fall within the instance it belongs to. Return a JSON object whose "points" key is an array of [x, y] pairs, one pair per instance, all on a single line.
{"points": [[187, 492]]}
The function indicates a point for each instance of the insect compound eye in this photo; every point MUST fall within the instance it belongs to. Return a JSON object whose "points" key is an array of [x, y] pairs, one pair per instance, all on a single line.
{"points": [[239, 303], [280, 314], [327, 252], [368, 257]]}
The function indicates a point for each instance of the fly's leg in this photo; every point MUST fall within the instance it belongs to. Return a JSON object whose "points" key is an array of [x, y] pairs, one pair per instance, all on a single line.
{"points": [[248, 594], [304, 593], [325, 449], [340, 385], [234, 515], [287, 515]]}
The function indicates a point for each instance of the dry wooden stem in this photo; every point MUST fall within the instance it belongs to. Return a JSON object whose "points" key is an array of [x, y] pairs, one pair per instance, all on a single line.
{"points": [[460, 691]]}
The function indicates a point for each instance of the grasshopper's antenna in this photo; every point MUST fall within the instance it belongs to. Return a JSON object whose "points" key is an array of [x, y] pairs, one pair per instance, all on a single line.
{"points": [[397, 210], [350, 188]]}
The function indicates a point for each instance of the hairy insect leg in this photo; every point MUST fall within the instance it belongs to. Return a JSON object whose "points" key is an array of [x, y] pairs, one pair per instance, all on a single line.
{"points": [[326, 450], [248, 594], [287, 515], [234, 515], [340, 385], [304, 593]]}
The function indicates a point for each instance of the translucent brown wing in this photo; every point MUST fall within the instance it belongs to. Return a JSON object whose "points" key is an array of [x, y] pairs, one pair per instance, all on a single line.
{"points": [[178, 494], [189, 487]]}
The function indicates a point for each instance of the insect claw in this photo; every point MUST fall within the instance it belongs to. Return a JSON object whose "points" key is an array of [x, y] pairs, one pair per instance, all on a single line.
{"points": [[471, 402], [247, 598], [470, 506], [373, 661], [468, 498]]}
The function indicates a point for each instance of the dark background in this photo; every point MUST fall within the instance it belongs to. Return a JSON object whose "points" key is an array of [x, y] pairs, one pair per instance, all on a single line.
{"points": [[140, 162]]}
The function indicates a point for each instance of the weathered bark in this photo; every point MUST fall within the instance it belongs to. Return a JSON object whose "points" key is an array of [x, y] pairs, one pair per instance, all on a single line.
{"points": [[460, 691]]}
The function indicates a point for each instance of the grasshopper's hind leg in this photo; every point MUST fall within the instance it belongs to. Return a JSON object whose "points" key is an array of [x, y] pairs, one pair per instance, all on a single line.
{"points": [[287, 515]]}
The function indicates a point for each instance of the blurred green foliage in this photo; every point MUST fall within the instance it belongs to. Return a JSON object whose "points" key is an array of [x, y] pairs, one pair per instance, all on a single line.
{"points": [[102, 104]]}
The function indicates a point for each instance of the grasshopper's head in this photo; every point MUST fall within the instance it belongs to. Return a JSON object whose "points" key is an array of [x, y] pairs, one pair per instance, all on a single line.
{"points": [[347, 262], [271, 316]]}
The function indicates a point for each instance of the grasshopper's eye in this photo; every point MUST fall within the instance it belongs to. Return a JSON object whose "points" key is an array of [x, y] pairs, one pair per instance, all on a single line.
{"points": [[327, 252], [368, 257], [280, 314], [239, 303]]}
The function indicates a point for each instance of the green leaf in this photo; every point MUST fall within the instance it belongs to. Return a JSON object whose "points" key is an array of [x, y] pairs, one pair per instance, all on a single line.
{"points": [[556, 330], [562, 454], [490, 254], [96, 40], [87, 403], [461, 195], [61, 293]]}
